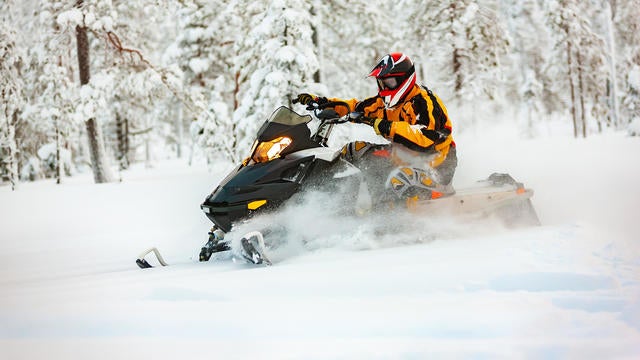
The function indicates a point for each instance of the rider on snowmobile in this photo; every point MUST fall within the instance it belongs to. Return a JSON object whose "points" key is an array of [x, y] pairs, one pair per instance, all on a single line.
{"points": [[411, 116]]}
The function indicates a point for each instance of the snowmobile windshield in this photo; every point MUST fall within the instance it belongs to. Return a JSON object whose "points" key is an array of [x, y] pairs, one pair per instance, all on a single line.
{"points": [[285, 116]]}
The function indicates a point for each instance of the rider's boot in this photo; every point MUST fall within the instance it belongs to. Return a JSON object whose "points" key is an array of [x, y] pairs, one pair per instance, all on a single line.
{"points": [[413, 185]]}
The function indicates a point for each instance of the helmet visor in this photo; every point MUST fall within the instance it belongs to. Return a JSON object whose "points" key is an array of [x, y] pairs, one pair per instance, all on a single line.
{"points": [[389, 83]]}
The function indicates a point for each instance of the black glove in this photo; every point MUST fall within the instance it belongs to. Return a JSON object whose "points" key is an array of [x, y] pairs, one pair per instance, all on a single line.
{"points": [[306, 99], [382, 127]]}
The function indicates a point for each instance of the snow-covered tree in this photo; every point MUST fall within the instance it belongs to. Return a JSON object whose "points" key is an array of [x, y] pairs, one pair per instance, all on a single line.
{"points": [[127, 90], [530, 47], [81, 20], [48, 119], [464, 42], [226, 65], [204, 46], [143, 112], [583, 67], [206, 50], [626, 19], [57, 108], [352, 36], [11, 103], [277, 58], [143, 102], [214, 129]]}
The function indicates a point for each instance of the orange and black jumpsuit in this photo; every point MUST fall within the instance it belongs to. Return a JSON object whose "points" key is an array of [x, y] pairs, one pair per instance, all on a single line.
{"points": [[420, 123]]}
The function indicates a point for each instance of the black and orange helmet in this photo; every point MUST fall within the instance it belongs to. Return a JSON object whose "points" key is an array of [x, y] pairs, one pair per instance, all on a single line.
{"points": [[395, 75]]}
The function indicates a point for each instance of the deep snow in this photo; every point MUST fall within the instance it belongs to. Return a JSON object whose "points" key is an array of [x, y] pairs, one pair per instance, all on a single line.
{"points": [[568, 289]]}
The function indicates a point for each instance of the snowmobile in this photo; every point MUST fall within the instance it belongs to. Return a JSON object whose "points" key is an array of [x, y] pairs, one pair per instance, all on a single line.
{"points": [[287, 159]]}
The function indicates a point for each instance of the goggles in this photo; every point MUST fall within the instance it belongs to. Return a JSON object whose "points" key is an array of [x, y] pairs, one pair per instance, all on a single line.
{"points": [[389, 83]]}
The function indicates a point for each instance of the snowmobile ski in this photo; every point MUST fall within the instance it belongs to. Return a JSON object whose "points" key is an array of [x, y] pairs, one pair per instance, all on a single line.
{"points": [[214, 244], [253, 249], [144, 264]]}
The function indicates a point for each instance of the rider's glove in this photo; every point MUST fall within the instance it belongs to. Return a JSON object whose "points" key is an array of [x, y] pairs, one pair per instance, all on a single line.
{"points": [[306, 99], [382, 127]]}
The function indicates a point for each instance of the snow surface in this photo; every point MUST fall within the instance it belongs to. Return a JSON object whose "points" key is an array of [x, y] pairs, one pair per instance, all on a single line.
{"points": [[568, 289]]}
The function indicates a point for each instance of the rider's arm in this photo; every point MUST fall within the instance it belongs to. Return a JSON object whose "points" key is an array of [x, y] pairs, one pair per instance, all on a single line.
{"points": [[424, 126], [341, 110]]}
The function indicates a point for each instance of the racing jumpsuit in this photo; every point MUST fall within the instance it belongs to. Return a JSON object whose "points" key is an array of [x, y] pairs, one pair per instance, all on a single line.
{"points": [[422, 154]]}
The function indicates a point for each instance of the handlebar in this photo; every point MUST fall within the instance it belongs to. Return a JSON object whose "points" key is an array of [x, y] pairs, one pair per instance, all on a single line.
{"points": [[317, 106], [317, 109], [325, 112], [333, 104], [333, 118]]}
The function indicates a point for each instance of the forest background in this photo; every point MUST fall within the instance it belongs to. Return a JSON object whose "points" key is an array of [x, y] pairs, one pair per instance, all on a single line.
{"points": [[100, 85]]}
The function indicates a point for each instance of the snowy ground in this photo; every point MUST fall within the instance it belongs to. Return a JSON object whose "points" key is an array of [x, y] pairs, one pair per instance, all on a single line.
{"points": [[69, 287]]}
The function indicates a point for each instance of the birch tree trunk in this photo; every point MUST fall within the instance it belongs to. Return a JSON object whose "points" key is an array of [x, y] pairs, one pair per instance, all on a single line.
{"points": [[10, 105], [11, 158], [101, 171], [571, 87], [123, 141], [455, 55], [180, 126], [315, 38], [613, 84], [583, 119], [59, 164]]}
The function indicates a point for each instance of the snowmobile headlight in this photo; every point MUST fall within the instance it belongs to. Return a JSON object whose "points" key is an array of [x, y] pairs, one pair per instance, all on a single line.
{"points": [[269, 150]]}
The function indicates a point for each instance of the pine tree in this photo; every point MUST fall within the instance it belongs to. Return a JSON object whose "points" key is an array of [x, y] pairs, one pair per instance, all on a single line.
{"points": [[207, 47], [50, 116], [530, 46], [24, 144], [583, 53], [626, 19], [142, 111], [353, 36], [126, 86], [215, 130], [204, 41], [465, 42], [80, 19], [11, 102], [277, 58]]}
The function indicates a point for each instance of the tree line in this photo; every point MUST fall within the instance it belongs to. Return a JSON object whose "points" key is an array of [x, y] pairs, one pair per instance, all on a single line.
{"points": [[88, 85]]}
